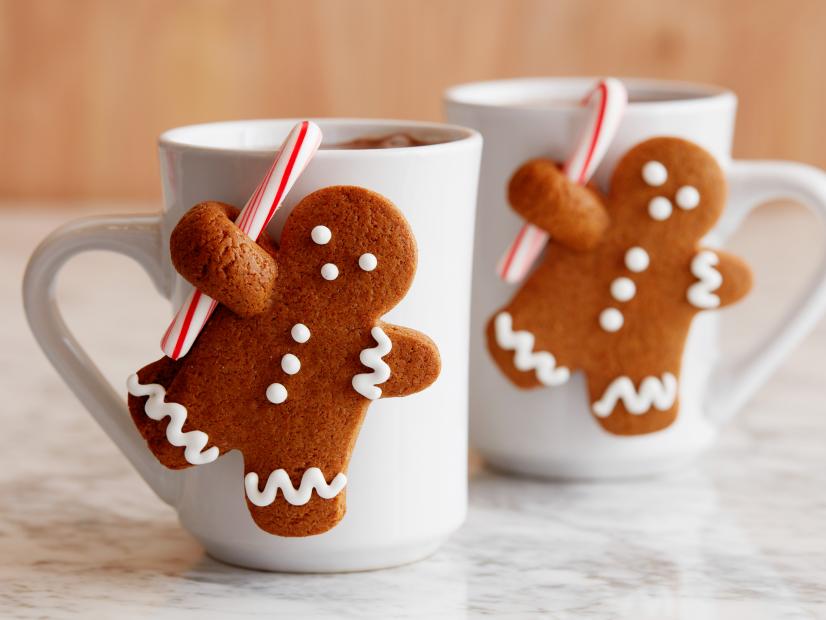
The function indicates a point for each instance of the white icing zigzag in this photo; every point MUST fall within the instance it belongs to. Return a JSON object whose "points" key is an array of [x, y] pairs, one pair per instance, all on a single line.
{"points": [[365, 383], [700, 293], [525, 358], [194, 442], [654, 392], [311, 479]]}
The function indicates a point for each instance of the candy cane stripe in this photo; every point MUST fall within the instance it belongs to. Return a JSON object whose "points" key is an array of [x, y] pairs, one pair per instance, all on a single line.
{"points": [[584, 173], [179, 343], [608, 100], [254, 217], [275, 204], [508, 262]]}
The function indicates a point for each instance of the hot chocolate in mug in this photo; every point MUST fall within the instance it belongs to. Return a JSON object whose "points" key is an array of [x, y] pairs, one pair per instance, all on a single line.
{"points": [[407, 480], [551, 431]]}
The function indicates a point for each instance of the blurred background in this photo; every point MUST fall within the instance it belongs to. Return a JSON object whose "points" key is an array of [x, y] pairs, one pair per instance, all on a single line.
{"points": [[87, 85]]}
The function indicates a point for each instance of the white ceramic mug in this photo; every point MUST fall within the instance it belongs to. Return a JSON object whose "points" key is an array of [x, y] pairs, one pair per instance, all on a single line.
{"points": [[550, 432], [407, 481]]}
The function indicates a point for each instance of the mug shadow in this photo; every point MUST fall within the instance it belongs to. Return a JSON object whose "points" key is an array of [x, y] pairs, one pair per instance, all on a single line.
{"points": [[606, 549], [643, 548], [119, 547], [638, 547]]}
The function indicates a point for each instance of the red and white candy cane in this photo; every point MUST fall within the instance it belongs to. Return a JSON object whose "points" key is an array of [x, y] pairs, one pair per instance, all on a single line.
{"points": [[296, 152], [606, 103]]}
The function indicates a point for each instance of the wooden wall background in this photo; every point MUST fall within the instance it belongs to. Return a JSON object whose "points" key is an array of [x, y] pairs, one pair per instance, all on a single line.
{"points": [[86, 85]]}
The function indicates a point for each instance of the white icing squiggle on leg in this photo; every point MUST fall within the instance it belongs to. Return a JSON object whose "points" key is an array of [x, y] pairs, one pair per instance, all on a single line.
{"points": [[700, 294], [525, 358], [365, 383], [654, 392], [193, 442], [313, 478]]}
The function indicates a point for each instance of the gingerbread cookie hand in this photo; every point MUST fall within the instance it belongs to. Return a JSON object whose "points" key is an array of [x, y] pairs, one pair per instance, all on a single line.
{"points": [[216, 257], [721, 279], [571, 213], [412, 363]]}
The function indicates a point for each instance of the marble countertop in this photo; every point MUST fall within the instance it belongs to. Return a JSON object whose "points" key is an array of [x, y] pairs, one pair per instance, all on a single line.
{"points": [[738, 535]]}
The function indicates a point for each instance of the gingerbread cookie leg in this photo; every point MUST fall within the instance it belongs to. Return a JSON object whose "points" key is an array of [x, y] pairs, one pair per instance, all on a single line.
{"points": [[635, 403], [159, 422], [296, 504], [514, 349]]}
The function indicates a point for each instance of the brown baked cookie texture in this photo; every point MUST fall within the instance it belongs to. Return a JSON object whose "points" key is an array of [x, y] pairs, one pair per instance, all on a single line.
{"points": [[620, 282], [289, 362]]}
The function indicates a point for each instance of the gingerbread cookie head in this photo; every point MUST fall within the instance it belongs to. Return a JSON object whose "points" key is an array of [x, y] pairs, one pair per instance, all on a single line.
{"points": [[286, 367], [670, 186], [348, 245]]}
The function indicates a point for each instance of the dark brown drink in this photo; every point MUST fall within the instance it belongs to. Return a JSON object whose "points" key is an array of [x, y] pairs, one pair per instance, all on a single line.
{"points": [[389, 141]]}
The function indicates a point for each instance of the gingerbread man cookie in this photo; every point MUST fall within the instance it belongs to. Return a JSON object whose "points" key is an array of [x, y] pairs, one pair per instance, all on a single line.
{"points": [[620, 282], [286, 367]]}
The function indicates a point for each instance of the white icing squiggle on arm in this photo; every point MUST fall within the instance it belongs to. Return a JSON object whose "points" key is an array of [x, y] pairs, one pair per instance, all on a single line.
{"points": [[193, 442], [700, 294], [312, 479], [525, 358], [365, 383], [654, 392]]}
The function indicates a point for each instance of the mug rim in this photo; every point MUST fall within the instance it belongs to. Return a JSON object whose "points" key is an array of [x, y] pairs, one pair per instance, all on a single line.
{"points": [[503, 94], [181, 138]]}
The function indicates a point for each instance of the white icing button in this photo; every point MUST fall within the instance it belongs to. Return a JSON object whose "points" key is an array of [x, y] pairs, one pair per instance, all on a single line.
{"points": [[276, 393], [611, 319], [654, 173], [368, 262], [329, 271], [321, 235], [636, 259], [660, 208], [300, 333], [687, 197], [623, 289], [290, 364]]}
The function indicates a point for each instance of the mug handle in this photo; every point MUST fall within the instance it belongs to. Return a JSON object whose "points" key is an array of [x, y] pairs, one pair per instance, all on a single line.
{"points": [[138, 237], [752, 183]]}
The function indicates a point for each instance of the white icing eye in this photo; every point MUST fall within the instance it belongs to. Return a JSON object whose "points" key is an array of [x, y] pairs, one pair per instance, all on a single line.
{"points": [[623, 289], [368, 262], [321, 235], [611, 319], [300, 333], [329, 271], [290, 364], [659, 208], [637, 259], [654, 173], [276, 393], [688, 197]]}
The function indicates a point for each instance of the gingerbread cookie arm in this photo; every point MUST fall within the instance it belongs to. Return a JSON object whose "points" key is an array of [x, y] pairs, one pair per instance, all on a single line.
{"points": [[216, 257], [413, 360], [720, 279], [572, 214], [737, 278]]}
